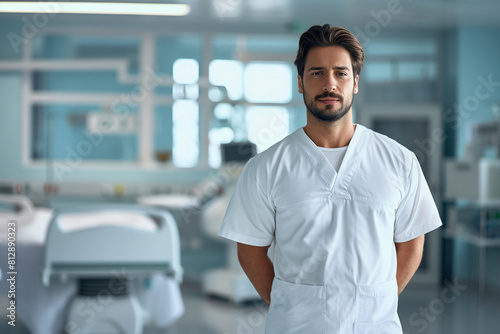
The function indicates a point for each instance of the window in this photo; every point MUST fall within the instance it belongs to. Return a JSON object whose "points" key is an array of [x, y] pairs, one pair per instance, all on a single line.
{"points": [[229, 74], [268, 83], [185, 113], [186, 71], [265, 84], [185, 133], [401, 70], [77, 133], [266, 126], [395, 59], [99, 90]]}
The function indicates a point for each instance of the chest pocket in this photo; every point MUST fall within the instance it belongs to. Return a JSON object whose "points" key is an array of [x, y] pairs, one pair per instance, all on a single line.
{"points": [[296, 309], [376, 185]]}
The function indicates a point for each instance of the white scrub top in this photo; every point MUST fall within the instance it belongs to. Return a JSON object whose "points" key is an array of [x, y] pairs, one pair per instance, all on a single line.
{"points": [[333, 233]]}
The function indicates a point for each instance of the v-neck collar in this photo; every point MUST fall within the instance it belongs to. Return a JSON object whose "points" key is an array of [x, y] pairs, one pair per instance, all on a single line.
{"points": [[337, 183]]}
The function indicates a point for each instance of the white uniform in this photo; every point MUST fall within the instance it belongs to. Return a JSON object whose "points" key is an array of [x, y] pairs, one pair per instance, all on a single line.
{"points": [[333, 233]]}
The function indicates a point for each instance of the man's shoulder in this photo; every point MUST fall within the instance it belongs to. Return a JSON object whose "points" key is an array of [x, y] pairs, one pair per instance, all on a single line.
{"points": [[383, 147], [271, 160], [390, 144], [276, 151]]}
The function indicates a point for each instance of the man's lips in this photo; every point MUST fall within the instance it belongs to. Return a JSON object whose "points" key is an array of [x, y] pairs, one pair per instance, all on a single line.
{"points": [[329, 100]]}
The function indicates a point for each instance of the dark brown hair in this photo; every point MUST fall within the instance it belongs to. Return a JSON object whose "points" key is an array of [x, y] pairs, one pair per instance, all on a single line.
{"points": [[329, 36]]}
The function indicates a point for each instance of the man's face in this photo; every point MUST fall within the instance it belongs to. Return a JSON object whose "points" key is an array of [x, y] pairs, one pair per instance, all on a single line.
{"points": [[328, 83]]}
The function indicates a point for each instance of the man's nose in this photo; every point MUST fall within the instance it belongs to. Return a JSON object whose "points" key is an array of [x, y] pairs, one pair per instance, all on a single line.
{"points": [[330, 84]]}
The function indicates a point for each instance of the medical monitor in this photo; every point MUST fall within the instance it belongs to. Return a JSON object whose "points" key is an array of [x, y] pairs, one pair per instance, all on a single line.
{"points": [[237, 152]]}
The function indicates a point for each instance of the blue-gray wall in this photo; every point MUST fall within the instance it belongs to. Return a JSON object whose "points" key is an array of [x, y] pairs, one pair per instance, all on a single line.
{"points": [[10, 125], [478, 62]]}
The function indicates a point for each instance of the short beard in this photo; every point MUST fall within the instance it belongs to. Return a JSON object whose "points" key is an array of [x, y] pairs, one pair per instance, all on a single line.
{"points": [[322, 115]]}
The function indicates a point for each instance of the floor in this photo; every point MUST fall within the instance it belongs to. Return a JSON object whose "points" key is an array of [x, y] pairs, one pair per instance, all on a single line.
{"points": [[452, 309]]}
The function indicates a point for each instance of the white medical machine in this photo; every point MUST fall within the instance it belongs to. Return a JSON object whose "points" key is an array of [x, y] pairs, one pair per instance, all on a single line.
{"points": [[474, 177], [230, 282], [474, 181], [105, 246]]}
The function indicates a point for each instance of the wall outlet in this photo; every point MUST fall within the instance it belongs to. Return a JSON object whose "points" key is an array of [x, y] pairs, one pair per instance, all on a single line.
{"points": [[111, 124]]}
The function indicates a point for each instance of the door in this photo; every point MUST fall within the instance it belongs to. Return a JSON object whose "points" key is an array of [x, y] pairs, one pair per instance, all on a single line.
{"points": [[417, 127]]}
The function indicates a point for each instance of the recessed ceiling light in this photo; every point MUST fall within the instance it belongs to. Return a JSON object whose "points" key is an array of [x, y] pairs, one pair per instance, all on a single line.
{"points": [[110, 8]]}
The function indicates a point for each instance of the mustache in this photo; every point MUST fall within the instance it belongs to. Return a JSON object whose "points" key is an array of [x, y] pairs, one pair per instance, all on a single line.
{"points": [[329, 94]]}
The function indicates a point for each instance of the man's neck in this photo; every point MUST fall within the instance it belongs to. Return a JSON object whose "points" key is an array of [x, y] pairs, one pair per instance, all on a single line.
{"points": [[330, 135]]}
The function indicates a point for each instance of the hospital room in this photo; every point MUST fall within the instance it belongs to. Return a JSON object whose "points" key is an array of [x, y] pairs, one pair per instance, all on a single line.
{"points": [[249, 167]]}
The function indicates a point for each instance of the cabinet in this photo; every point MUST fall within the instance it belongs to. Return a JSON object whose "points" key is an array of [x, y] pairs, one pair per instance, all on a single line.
{"points": [[477, 225]]}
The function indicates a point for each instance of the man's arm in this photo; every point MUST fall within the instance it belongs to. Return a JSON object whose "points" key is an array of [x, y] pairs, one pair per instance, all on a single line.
{"points": [[258, 267], [409, 255]]}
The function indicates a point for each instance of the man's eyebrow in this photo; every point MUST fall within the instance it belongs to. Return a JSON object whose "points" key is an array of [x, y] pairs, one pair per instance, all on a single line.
{"points": [[315, 68], [339, 68], [342, 68]]}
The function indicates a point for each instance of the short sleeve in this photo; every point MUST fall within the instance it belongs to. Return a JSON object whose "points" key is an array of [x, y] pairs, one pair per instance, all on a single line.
{"points": [[417, 213], [250, 216]]}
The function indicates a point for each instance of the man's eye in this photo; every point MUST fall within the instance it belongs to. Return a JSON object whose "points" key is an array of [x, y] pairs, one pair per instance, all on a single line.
{"points": [[314, 74], [342, 74]]}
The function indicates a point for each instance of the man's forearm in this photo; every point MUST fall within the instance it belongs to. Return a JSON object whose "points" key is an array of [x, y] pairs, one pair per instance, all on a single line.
{"points": [[409, 255], [258, 267]]}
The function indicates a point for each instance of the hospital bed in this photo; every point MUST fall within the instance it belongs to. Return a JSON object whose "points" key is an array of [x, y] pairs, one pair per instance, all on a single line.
{"points": [[31, 225], [31, 222], [106, 248], [17, 208], [43, 308]]}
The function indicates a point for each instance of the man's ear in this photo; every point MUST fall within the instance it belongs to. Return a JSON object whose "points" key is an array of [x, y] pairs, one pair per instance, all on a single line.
{"points": [[356, 79], [299, 82]]}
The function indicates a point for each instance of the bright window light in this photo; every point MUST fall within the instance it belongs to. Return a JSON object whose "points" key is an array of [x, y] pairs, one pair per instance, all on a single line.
{"points": [[185, 116], [267, 125], [227, 73], [185, 92], [268, 83], [216, 94], [186, 71], [223, 111], [112, 8]]}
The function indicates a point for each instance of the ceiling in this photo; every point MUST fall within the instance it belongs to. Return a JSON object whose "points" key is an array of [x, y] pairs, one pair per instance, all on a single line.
{"points": [[297, 15]]}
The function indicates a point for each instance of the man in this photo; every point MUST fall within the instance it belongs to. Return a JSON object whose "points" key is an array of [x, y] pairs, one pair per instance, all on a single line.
{"points": [[345, 208]]}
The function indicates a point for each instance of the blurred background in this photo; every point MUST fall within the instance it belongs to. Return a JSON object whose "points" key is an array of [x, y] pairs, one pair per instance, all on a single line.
{"points": [[148, 117]]}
